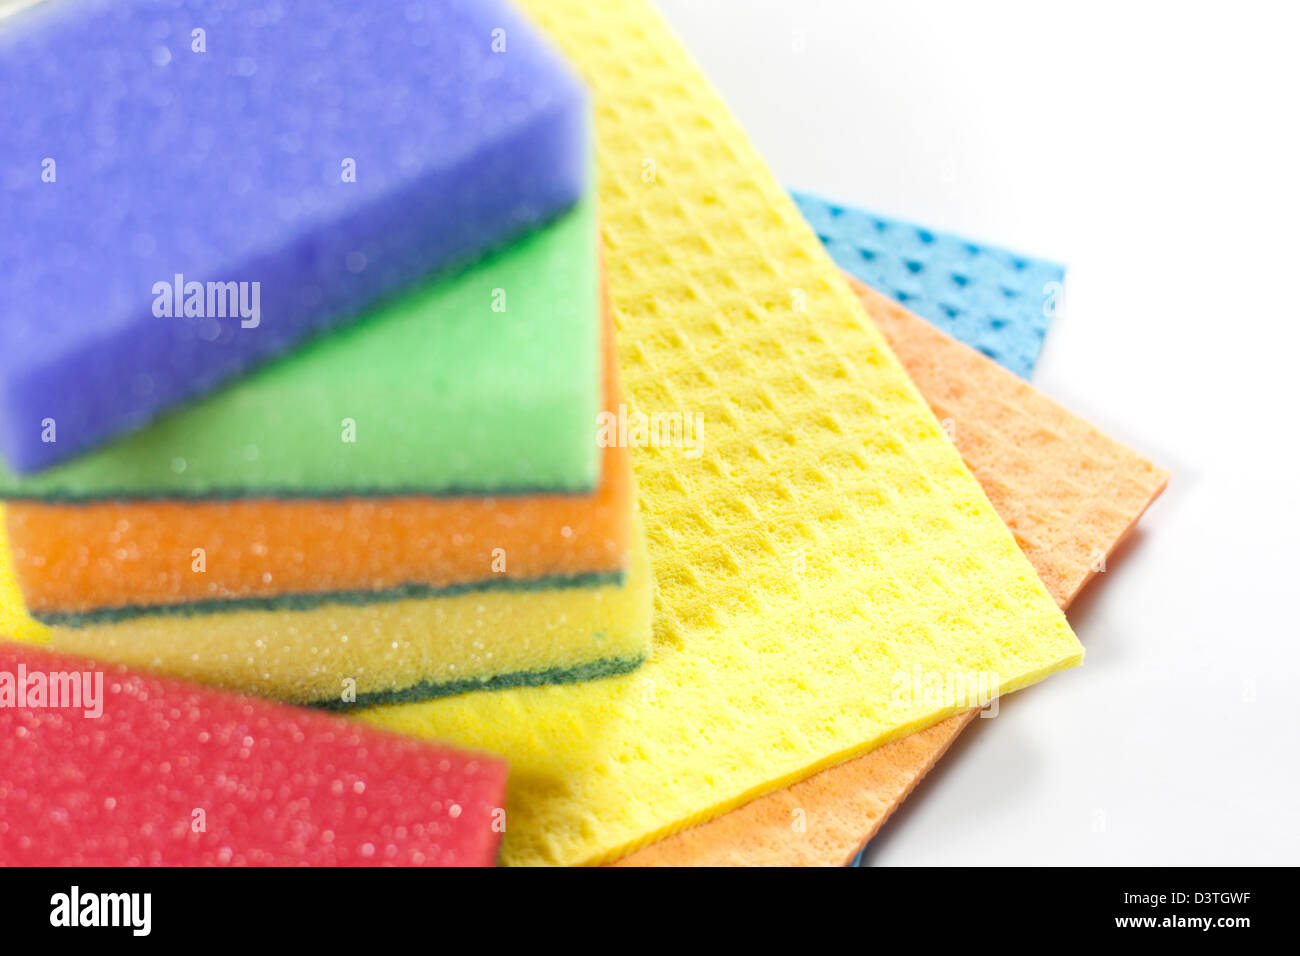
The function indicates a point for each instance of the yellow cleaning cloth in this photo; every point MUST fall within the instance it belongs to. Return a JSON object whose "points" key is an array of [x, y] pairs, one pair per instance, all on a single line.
{"points": [[830, 575], [1069, 493]]}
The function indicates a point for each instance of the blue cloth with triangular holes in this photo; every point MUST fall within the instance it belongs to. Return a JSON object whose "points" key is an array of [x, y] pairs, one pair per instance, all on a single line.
{"points": [[217, 140], [994, 300]]}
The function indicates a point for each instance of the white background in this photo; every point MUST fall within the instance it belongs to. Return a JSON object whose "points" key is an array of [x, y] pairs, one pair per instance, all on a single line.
{"points": [[1153, 148]]}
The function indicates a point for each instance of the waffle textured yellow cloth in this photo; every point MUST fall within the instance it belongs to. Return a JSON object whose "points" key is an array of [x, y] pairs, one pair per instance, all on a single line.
{"points": [[827, 548]]}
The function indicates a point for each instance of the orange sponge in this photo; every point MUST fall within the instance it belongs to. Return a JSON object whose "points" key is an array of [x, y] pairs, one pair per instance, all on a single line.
{"points": [[1068, 492], [72, 560]]}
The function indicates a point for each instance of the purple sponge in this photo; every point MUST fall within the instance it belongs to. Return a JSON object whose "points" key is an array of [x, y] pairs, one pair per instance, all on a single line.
{"points": [[331, 152]]}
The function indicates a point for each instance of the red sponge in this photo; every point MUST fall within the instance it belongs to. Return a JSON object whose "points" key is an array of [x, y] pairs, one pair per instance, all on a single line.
{"points": [[171, 773]]}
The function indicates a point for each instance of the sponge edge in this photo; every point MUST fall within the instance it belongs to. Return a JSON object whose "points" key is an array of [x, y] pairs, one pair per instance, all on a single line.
{"points": [[276, 785], [113, 560], [406, 650], [76, 564]]}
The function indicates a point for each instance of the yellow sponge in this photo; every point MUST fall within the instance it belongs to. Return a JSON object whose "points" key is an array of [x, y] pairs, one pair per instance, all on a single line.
{"points": [[15, 622], [400, 650], [827, 544]]}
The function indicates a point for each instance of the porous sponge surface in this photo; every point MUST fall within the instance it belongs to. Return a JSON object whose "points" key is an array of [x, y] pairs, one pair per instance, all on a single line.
{"points": [[117, 559], [337, 654], [1063, 485], [828, 537], [332, 152], [15, 622], [436, 392], [276, 786], [997, 301]]}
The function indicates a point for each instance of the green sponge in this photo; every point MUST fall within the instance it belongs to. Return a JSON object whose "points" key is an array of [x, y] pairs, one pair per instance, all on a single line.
{"points": [[484, 382]]}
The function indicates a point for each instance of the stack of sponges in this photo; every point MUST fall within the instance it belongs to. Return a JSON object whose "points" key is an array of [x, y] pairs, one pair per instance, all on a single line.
{"points": [[413, 505]]}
